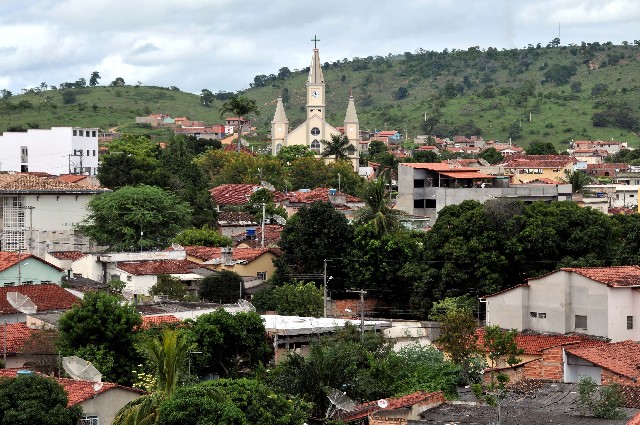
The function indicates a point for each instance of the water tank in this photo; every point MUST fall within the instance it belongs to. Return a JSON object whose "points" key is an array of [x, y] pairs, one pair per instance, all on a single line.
{"points": [[332, 192], [24, 372], [251, 233], [501, 181]]}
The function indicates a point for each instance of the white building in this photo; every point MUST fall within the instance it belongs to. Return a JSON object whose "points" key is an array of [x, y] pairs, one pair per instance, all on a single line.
{"points": [[599, 301], [59, 150]]}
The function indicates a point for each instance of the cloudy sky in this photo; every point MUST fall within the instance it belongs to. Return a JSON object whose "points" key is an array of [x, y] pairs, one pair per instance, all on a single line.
{"points": [[223, 44]]}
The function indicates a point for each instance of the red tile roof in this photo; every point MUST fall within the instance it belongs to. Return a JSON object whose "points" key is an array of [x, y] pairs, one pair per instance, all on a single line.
{"points": [[67, 255], [233, 194], [467, 175], [45, 296], [16, 335], [622, 357], [366, 409], [28, 182], [438, 166], [318, 194], [151, 321], [157, 267], [71, 178], [535, 343], [538, 161], [621, 276], [77, 391], [207, 253]]}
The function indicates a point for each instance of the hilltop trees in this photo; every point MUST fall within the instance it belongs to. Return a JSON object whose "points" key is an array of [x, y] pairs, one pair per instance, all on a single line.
{"points": [[95, 76]]}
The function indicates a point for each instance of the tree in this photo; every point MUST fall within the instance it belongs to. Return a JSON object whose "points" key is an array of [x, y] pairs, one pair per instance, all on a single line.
{"points": [[317, 232], [139, 218], [5, 94], [401, 93], [34, 399], [600, 401], [231, 402], [559, 74], [377, 147], [68, 97], [95, 76], [291, 299], [239, 106], [542, 148], [224, 287], [377, 210], [284, 72], [492, 156], [101, 329], [207, 97], [577, 179], [205, 236], [170, 286], [337, 147], [288, 154], [118, 82], [231, 344], [425, 156], [458, 338]]}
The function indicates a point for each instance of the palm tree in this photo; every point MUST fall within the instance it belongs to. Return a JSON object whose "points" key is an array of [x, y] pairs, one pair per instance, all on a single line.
{"points": [[578, 180], [377, 210], [167, 356], [338, 146], [239, 106]]}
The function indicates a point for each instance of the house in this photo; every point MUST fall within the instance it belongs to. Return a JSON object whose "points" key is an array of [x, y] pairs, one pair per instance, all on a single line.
{"points": [[40, 214], [266, 236], [215, 131], [99, 404], [141, 276], [523, 168], [232, 195], [392, 410], [46, 297], [156, 120], [388, 136], [57, 150], [600, 301], [606, 169], [346, 204], [236, 224], [236, 122], [17, 268], [80, 179], [604, 363], [425, 188]]}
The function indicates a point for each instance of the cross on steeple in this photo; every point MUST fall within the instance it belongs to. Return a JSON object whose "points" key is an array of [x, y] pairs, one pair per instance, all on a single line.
{"points": [[315, 41]]}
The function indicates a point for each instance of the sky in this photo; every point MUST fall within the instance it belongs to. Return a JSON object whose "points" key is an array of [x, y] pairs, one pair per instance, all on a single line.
{"points": [[220, 45]]}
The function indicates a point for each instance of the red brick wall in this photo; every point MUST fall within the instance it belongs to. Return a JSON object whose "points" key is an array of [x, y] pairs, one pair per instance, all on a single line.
{"points": [[549, 367], [386, 421], [609, 377]]}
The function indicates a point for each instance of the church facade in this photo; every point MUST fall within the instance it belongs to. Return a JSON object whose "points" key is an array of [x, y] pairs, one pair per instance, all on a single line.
{"points": [[315, 131]]}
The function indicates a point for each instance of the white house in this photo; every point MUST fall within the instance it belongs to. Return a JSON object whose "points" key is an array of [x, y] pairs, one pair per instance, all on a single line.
{"points": [[39, 214], [599, 301], [59, 150]]}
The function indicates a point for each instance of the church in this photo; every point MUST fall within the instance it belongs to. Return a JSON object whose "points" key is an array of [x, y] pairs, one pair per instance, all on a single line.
{"points": [[315, 130]]}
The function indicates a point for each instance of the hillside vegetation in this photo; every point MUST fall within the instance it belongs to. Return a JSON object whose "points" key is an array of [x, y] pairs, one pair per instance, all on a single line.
{"points": [[554, 93]]}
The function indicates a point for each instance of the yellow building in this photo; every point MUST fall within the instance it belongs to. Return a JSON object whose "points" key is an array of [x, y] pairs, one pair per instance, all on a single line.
{"points": [[526, 168], [315, 131], [256, 262]]}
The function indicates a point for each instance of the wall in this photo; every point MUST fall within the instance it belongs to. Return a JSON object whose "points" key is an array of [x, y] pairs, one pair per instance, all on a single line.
{"points": [[30, 270], [88, 267], [509, 308], [107, 404], [623, 302], [575, 368]]}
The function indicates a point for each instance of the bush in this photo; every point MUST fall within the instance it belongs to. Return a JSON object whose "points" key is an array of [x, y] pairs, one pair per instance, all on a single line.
{"points": [[600, 401], [224, 287]]}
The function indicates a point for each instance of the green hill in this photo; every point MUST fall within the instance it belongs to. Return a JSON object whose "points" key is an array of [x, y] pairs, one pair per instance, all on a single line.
{"points": [[556, 94]]}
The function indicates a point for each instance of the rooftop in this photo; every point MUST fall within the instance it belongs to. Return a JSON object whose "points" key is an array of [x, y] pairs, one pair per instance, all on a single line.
{"points": [[157, 267], [206, 253], [233, 194], [45, 296], [622, 357], [30, 183], [67, 255], [535, 343], [621, 276], [16, 335]]}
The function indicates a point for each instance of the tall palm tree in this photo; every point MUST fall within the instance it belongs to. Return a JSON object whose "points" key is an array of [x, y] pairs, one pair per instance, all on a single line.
{"points": [[167, 356], [338, 147], [377, 210], [239, 106], [577, 179]]}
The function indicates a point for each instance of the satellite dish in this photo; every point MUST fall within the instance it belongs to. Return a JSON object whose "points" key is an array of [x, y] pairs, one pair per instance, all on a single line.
{"points": [[246, 305], [279, 219], [22, 303], [383, 403], [97, 386], [339, 400], [81, 369]]}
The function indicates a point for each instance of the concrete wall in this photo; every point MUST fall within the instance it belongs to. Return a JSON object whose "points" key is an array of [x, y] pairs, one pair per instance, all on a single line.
{"points": [[88, 267], [30, 270], [52, 150], [509, 309], [107, 404], [575, 368]]}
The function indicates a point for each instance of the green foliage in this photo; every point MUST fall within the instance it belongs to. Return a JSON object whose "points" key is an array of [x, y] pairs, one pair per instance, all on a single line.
{"points": [[231, 344], [541, 148], [169, 286], [601, 402], [464, 303], [34, 399], [377, 210], [204, 236], [288, 154], [337, 147], [492, 156], [101, 329], [224, 287], [263, 196], [291, 299], [559, 74], [577, 179], [237, 401], [116, 286], [427, 156], [133, 218]]}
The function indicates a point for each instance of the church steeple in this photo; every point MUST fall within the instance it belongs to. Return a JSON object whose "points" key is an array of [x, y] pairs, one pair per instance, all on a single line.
{"points": [[279, 128], [315, 70], [315, 85], [352, 130]]}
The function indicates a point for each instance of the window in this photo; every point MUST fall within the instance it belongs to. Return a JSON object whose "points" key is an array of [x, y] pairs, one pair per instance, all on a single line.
{"points": [[533, 314], [89, 420], [315, 131], [542, 315], [75, 132], [581, 322], [94, 152], [315, 146], [81, 133], [418, 183], [24, 154], [629, 322], [262, 275], [128, 278], [424, 203], [93, 133]]}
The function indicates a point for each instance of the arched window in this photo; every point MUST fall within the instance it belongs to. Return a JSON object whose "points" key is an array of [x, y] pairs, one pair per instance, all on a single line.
{"points": [[315, 146]]}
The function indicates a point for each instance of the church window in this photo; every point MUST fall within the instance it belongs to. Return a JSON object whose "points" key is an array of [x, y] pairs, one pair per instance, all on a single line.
{"points": [[315, 146], [315, 131]]}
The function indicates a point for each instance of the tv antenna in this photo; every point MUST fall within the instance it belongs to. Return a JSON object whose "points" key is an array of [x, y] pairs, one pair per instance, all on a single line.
{"points": [[22, 303], [82, 370], [339, 401]]}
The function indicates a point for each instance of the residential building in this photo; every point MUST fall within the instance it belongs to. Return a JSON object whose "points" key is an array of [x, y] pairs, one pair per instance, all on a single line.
{"points": [[387, 136], [346, 204], [46, 297], [524, 168], [233, 195], [315, 130], [393, 410], [156, 120], [99, 405], [20, 268], [215, 131], [600, 301], [604, 363], [58, 150], [425, 188], [141, 276]]}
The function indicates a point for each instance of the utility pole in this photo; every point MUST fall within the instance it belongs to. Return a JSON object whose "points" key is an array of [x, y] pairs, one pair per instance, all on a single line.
{"points": [[324, 288], [263, 218], [362, 315]]}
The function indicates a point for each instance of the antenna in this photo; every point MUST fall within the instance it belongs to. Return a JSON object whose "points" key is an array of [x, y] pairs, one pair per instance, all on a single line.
{"points": [[246, 305], [383, 403], [22, 303], [81, 370], [339, 400]]}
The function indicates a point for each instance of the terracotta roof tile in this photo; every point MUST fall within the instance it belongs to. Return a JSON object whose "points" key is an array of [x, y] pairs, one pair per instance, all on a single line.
{"points": [[151, 321], [16, 335], [157, 267], [206, 253], [535, 343], [620, 276], [234, 218], [71, 178], [622, 357], [233, 194], [45, 296], [439, 166], [67, 255], [318, 194], [538, 161], [27, 182], [366, 409]]}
